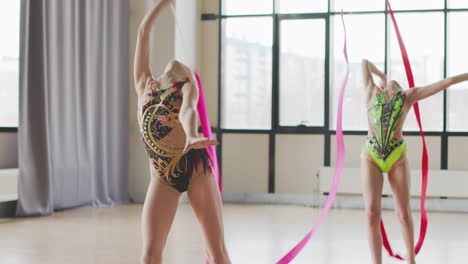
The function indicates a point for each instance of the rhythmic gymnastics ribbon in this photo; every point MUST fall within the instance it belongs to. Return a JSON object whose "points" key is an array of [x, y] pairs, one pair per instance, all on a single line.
{"points": [[425, 159], [206, 129], [340, 150]]}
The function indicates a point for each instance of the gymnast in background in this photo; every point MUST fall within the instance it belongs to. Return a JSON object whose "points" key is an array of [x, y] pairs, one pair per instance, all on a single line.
{"points": [[179, 162], [385, 151]]}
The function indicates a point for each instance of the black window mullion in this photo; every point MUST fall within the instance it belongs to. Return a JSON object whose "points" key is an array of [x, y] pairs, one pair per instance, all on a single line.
{"points": [[275, 78], [327, 139], [444, 136], [8, 129], [274, 104], [219, 134]]}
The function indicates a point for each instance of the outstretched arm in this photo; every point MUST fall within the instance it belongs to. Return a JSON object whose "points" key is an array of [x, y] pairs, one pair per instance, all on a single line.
{"points": [[368, 68], [188, 118], [142, 71], [420, 93]]}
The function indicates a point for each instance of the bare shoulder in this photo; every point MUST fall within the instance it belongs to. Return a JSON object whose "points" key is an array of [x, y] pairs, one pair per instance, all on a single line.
{"points": [[407, 92], [410, 95]]}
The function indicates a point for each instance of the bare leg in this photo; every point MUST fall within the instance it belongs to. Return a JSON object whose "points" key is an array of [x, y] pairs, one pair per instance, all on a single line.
{"points": [[206, 202], [372, 182], [399, 178], [158, 214]]}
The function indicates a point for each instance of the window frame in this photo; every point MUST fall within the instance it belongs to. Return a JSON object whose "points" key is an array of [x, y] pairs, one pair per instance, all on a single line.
{"points": [[326, 131]]}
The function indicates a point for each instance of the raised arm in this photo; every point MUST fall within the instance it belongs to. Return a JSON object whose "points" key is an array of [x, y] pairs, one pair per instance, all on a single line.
{"points": [[142, 71], [420, 93], [188, 117], [368, 68]]}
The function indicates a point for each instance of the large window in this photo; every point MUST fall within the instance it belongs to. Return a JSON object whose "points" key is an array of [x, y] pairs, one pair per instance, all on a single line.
{"points": [[282, 65], [9, 62]]}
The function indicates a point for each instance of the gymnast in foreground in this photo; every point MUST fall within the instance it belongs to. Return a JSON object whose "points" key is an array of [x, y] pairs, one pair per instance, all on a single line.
{"points": [[179, 162], [385, 151]]}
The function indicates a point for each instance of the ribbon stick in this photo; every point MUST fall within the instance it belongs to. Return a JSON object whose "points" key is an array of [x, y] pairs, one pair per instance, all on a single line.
{"points": [[425, 159], [206, 129], [340, 150]]}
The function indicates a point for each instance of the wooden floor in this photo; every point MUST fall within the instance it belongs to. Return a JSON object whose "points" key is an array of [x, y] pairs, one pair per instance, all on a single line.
{"points": [[256, 234]]}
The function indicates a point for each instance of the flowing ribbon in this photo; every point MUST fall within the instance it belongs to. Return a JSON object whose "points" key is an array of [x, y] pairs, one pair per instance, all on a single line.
{"points": [[206, 129], [425, 159], [340, 150]]}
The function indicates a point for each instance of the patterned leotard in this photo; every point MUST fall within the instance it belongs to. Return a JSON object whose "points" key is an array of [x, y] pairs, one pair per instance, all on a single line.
{"points": [[160, 126], [383, 119]]}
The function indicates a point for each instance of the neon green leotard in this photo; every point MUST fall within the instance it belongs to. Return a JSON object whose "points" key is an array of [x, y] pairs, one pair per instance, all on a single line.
{"points": [[383, 117]]}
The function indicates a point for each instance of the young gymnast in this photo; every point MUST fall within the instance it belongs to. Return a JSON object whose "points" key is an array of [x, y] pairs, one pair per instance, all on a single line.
{"points": [[178, 158], [385, 151]]}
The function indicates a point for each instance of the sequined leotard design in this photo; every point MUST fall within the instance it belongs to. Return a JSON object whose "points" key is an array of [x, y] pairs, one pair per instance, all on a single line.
{"points": [[160, 117], [383, 118]]}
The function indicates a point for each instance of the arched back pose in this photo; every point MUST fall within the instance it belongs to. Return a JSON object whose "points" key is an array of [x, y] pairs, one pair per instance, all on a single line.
{"points": [[385, 151], [178, 158]]}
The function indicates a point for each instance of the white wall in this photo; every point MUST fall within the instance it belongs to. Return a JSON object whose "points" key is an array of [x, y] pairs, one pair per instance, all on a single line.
{"points": [[298, 158], [458, 153], [245, 163]]}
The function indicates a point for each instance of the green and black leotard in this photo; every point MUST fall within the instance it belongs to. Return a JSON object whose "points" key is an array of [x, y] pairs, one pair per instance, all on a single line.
{"points": [[384, 115]]}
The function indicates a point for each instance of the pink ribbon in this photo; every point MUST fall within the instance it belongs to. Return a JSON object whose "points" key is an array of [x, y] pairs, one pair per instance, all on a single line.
{"points": [[340, 150], [206, 129], [424, 160]]}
